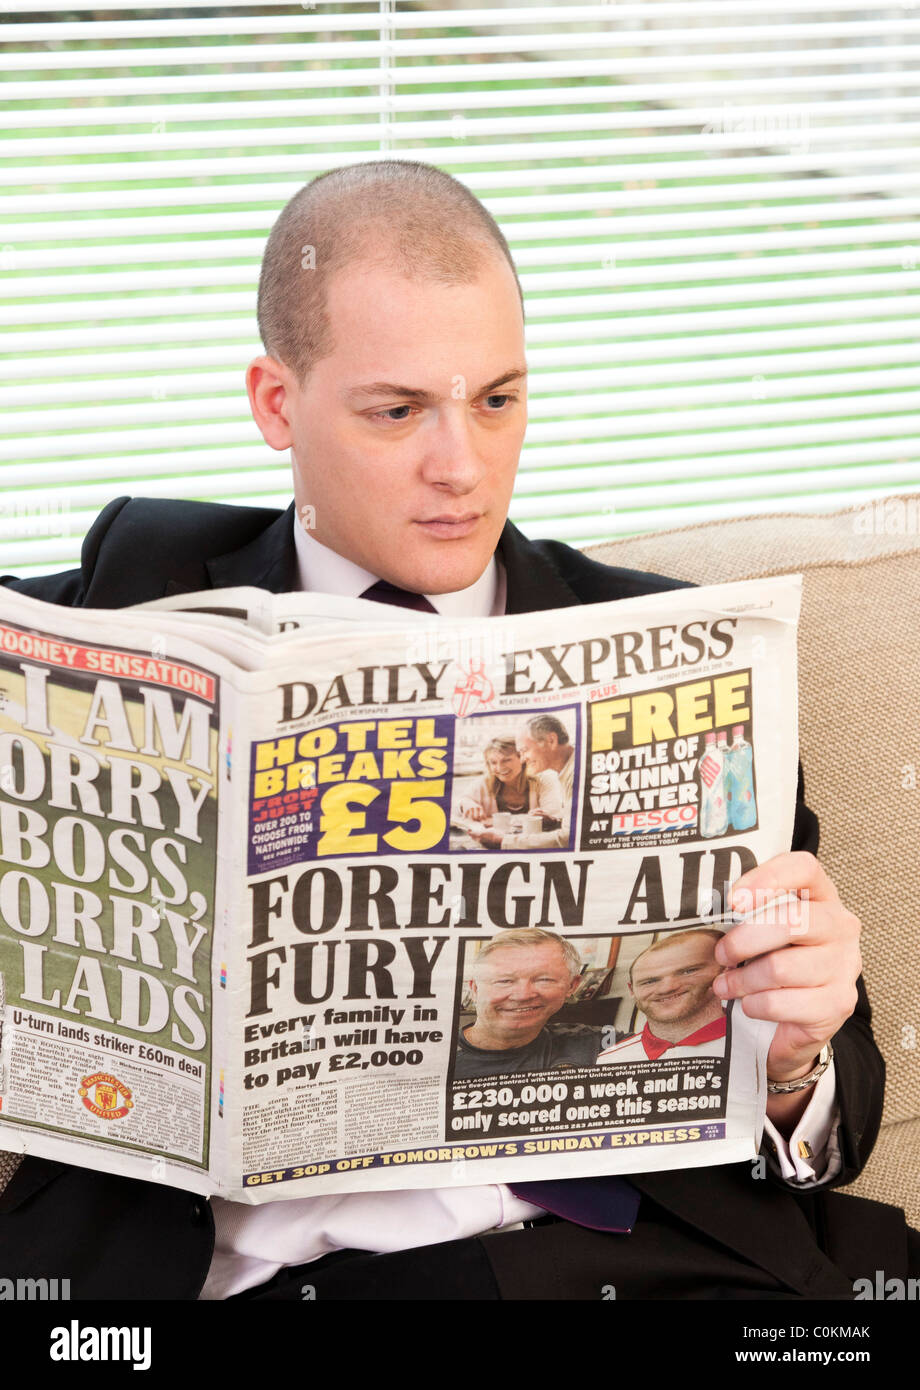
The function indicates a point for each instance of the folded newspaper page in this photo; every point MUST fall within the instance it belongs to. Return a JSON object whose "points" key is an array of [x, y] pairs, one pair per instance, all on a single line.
{"points": [[300, 895]]}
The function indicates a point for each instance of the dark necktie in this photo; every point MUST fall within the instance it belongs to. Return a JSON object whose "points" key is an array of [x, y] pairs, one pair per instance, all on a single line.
{"points": [[382, 592], [603, 1204]]}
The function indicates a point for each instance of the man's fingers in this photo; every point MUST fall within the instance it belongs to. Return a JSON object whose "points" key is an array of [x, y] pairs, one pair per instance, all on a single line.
{"points": [[798, 923], [779, 970], [807, 1008]]}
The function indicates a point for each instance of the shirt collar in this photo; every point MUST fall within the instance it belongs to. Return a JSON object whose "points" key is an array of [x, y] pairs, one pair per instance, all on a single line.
{"points": [[656, 1047], [324, 571]]}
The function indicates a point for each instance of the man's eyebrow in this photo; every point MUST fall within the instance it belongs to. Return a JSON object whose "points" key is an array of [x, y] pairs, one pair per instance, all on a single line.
{"points": [[413, 393]]}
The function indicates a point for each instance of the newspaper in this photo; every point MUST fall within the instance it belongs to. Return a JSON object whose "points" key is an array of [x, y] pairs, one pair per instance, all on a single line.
{"points": [[297, 898]]}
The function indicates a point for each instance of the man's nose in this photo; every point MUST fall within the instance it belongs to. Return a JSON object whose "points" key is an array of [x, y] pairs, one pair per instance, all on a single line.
{"points": [[452, 460], [523, 989]]}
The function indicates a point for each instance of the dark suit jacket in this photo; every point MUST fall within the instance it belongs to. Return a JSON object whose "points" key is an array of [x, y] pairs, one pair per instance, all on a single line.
{"points": [[122, 1238]]}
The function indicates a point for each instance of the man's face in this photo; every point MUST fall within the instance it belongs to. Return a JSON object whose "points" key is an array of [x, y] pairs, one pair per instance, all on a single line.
{"points": [[674, 983], [406, 438], [518, 988], [533, 752]]}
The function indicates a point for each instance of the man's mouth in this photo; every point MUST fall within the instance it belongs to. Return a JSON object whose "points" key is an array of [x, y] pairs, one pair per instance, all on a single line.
{"points": [[447, 526]]}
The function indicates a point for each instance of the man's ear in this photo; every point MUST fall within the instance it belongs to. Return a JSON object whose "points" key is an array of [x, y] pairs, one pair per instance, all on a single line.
{"points": [[269, 383]]}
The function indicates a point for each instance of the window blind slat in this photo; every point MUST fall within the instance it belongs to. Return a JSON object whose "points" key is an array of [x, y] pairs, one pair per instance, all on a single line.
{"points": [[878, 183], [468, 130], [460, 76], [559, 149], [631, 9], [192, 113], [754, 31], [393, 49]]}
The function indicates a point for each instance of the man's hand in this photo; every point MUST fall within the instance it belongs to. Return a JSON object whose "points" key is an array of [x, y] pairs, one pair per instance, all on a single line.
{"points": [[795, 962]]}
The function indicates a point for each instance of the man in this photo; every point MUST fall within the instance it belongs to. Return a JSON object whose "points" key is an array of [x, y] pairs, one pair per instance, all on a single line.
{"points": [[544, 747], [395, 373], [671, 982], [519, 980]]}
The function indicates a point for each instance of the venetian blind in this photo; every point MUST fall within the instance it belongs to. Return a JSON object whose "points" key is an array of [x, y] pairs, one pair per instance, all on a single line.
{"points": [[713, 209]]}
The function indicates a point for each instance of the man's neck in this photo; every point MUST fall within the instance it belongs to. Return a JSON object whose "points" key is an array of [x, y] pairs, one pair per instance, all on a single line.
{"points": [[677, 1029]]}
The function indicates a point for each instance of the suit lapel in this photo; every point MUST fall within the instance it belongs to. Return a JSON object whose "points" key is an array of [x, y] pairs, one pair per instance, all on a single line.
{"points": [[533, 583], [268, 562], [771, 1232]]}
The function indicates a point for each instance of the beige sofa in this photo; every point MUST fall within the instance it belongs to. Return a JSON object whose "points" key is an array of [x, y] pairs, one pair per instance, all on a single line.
{"points": [[859, 693]]}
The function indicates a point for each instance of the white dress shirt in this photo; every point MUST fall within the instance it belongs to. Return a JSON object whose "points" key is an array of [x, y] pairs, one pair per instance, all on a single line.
{"points": [[253, 1243]]}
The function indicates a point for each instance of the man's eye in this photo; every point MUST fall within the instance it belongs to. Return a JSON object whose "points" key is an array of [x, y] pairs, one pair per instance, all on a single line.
{"points": [[393, 414], [497, 402]]}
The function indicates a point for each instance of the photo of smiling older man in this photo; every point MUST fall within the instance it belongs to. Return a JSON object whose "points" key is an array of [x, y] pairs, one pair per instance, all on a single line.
{"points": [[518, 982]]}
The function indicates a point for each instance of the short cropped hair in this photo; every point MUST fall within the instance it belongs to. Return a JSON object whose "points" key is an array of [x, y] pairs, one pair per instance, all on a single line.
{"points": [[544, 724], [409, 216], [529, 936], [676, 936]]}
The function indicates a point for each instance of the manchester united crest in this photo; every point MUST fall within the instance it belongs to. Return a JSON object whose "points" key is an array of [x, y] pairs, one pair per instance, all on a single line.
{"points": [[104, 1095]]}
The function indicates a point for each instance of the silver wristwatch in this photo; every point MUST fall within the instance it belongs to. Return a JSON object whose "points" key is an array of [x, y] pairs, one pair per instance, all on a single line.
{"points": [[782, 1088]]}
